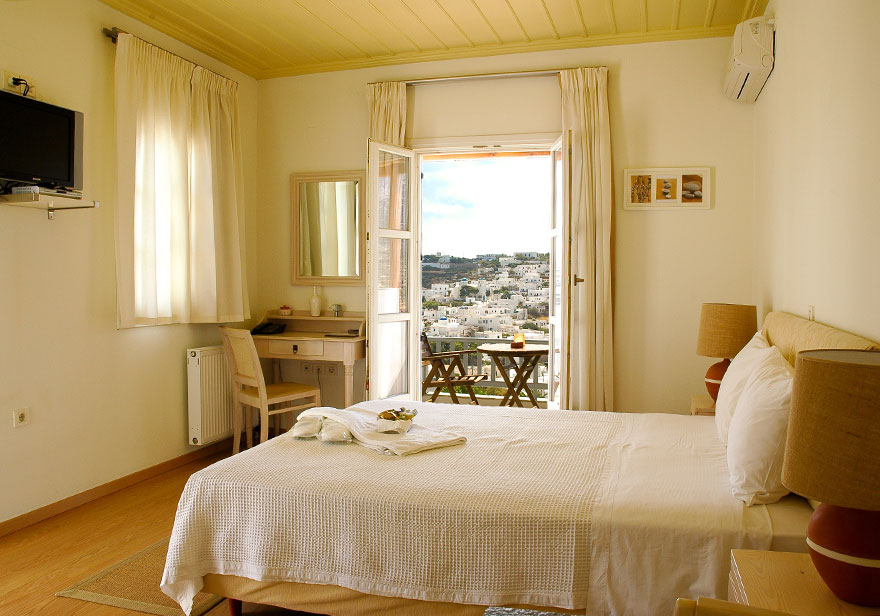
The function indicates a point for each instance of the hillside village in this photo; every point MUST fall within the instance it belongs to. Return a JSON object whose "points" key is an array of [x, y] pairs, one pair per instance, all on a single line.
{"points": [[489, 296]]}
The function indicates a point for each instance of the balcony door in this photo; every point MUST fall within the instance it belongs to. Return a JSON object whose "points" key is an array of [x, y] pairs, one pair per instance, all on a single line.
{"points": [[393, 272], [559, 266]]}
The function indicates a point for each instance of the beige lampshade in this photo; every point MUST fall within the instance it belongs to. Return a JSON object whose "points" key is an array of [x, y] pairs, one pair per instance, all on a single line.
{"points": [[725, 329], [832, 451]]}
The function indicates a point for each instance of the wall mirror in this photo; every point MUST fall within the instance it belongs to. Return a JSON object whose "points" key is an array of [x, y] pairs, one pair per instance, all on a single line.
{"points": [[327, 228]]}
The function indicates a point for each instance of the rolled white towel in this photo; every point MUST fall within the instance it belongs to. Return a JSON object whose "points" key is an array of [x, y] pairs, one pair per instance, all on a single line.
{"points": [[307, 427], [333, 432]]}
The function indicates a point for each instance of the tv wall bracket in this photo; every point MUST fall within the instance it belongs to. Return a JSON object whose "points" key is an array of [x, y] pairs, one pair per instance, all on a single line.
{"points": [[50, 204]]}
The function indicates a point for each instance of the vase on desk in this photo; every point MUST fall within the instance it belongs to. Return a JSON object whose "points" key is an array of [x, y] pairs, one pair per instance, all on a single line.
{"points": [[315, 303]]}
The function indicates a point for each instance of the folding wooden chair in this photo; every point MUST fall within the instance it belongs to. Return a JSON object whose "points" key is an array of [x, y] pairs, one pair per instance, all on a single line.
{"points": [[449, 376]]}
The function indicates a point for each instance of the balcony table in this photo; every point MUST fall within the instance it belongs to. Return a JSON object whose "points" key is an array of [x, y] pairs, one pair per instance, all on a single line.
{"points": [[523, 361]]}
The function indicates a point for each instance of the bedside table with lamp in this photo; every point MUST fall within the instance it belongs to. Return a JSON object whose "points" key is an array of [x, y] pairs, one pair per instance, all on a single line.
{"points": [[832, 454], [784, 581], [703, 405]]}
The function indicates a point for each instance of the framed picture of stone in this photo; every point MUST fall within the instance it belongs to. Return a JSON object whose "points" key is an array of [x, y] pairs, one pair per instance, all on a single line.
{"points": [[667, 188]]}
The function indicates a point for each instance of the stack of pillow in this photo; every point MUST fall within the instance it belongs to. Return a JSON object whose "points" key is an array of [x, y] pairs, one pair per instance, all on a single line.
{"points": [[751, 415]]}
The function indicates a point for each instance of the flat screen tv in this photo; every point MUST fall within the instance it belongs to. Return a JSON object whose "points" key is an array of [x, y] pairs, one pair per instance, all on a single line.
{"points": [[40, 144]]}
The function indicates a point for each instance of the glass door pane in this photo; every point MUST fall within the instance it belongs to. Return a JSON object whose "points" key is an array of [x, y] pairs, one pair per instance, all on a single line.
{"points": [[393, 191], [389, 348], [393, 271], [392, 261]]}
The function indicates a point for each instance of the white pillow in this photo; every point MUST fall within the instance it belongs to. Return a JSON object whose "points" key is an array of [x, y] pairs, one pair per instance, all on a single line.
{"points": [[735, 379], [756, 442]]}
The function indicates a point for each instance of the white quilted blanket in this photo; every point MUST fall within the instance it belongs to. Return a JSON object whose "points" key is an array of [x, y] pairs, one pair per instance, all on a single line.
{"points": [[524, 513]]}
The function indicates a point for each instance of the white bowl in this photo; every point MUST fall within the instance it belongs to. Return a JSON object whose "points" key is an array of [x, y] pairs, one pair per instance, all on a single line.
{"points": [[393, 426]]}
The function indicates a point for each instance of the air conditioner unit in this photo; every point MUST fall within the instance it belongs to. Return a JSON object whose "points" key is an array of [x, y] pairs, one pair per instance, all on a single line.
{"points": [[751, 59]]}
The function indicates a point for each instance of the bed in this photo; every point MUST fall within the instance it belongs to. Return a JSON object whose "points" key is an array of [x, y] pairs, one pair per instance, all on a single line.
{"points": [[574, 512]]}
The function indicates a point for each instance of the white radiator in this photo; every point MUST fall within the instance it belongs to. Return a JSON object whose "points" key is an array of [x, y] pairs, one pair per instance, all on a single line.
{"points": [[209, 395]]}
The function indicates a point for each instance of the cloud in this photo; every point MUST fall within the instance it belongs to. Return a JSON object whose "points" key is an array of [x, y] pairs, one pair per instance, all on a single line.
{"points": [[474, 206], [444, 209]]}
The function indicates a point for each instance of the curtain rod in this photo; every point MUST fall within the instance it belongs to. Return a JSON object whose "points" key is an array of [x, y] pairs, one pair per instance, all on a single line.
{"points": [[113, 35], [416, 82]]}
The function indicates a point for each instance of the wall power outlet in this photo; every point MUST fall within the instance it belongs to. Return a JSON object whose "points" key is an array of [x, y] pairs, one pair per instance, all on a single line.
{"points": [[18, 89], [21, 417]]}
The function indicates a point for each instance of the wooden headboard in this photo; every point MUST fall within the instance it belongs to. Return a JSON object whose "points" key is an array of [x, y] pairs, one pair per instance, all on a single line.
{"points": [[793, 334]]}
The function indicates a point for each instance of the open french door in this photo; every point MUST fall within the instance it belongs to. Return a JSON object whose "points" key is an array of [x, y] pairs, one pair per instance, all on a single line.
{"points": [[393, 272], [559, 272]]}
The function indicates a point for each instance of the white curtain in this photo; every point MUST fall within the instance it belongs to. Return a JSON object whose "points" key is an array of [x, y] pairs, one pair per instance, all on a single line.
{"points": [[388, 112], [179, 248], [588, 349], [388, 124]]}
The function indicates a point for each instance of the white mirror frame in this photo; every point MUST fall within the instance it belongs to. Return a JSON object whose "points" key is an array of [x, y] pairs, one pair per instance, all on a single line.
{"points": [[328, 176]]}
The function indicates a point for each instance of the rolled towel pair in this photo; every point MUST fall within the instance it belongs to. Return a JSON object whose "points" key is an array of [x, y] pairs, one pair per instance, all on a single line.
{"points": [[361, 425], [322, 428]]}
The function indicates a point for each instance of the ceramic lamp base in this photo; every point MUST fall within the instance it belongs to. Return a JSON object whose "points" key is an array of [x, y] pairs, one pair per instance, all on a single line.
{"points": [[844, 545], [714, 375]]}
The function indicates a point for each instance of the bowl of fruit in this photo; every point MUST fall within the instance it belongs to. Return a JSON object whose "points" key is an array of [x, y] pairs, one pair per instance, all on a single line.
{"points": [[395, 421]]}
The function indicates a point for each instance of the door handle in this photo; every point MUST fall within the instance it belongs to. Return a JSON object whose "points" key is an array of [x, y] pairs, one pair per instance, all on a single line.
{"points": [[577, 280], [295, 349]]}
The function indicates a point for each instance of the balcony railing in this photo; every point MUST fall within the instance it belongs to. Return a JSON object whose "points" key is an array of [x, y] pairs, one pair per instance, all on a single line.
{"points": [[478, 363]]}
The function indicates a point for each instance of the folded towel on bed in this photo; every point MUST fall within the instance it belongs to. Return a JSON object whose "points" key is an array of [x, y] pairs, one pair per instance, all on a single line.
{"points": [[362, 425]]}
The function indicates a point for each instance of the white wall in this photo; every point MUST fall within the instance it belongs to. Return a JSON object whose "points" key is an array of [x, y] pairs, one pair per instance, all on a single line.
{"points": [[667, 110], [817, 136], [104, 403]]}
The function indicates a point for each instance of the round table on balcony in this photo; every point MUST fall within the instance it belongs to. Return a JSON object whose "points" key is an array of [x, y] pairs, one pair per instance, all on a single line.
{"points": [[523, 361]]}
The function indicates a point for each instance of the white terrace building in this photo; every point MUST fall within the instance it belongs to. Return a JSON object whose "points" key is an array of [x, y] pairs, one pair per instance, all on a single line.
{"points": [[526, 268], [447, 327]]}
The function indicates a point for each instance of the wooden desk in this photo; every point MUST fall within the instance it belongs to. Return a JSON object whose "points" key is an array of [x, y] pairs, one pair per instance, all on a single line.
{"points": [[530, 355], [308, 338], [787, 582]]}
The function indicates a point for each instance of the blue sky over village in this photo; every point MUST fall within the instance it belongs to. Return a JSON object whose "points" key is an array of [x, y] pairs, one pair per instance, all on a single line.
{"points": [[485, 205]]}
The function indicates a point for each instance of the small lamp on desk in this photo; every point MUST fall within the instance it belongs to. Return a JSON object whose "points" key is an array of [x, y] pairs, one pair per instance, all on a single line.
{"points": [[724, 331], [832, 454]]}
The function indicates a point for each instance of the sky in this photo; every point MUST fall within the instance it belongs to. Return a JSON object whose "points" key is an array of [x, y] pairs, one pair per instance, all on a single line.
{"points": [[486, 205]]}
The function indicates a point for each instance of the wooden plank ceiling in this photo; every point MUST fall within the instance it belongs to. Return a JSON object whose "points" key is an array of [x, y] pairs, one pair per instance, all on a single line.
{"points": [[276, 38]]}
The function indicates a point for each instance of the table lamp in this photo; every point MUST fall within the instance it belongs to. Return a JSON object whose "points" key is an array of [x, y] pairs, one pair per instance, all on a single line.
{"points": [[832, 454], [724, 330]]}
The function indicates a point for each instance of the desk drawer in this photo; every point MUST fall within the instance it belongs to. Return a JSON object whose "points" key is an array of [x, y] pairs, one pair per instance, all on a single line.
{"points": [[296, 348]]}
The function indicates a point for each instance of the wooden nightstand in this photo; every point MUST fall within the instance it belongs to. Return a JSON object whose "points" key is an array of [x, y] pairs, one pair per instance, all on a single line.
{"points": [[702, 404], [787, 582]]}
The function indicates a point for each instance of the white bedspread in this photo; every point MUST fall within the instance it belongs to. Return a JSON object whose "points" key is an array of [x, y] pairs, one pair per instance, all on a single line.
{"points": [[611, 513]]}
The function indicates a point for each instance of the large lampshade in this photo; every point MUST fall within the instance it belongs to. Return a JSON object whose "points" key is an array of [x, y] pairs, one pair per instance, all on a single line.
{"points": [[832, 454], [833, 449], [725, 329]]}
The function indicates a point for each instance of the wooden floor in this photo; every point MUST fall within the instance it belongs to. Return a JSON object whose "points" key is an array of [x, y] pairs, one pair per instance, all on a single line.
{"points": [[38, 561]]}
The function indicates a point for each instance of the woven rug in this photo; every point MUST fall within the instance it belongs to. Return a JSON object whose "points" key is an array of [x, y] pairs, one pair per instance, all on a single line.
{"points": [[134, 584], [512, 611]]}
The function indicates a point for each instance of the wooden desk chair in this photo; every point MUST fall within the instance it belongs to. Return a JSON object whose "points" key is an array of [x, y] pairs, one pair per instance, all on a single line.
{"points": [[715, 607], [250, 387], [449, 376]]}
